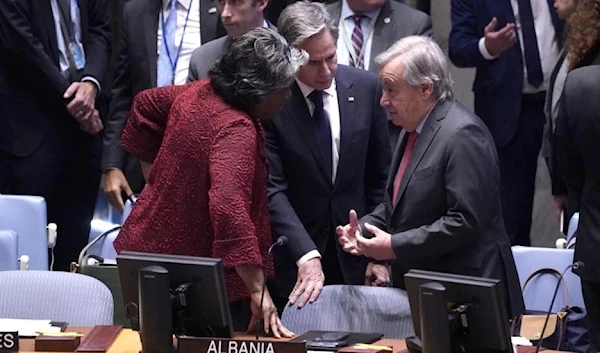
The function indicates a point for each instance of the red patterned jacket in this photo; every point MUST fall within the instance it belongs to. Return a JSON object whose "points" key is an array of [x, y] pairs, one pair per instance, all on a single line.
{"points": [[207, 190]]}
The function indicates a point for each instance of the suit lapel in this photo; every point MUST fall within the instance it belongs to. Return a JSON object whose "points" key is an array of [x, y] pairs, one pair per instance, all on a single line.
{"points": [[84, 19], [382, 33], [151, 17], [430, 129], [298, 111], [209, 17], [50, 29], [507, 10], [336, 11], [348, 108]]}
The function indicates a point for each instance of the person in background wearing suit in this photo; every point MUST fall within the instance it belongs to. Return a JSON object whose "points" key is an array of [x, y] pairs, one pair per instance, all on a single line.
{"points": [[203, 146], [157, 41], [442, 205], [369, 27], [328, 149], [577, 140], [238, 17], [54, 58], [514, 44], [564, 9]]}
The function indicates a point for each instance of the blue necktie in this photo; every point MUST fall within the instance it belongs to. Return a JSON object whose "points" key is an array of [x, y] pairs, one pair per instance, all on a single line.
{"points": [[357, 42], [164, 75], [323, 129], [535, 76]]}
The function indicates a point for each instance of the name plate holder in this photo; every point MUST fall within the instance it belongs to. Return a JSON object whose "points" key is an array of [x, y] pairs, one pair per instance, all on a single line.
{"points": [[187, 344]]}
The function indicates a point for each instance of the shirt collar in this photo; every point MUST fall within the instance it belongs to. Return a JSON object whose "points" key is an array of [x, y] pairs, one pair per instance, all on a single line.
{"points": [[422, 123], [347, 12], [306, 89], [266, 24], [185, 3]]}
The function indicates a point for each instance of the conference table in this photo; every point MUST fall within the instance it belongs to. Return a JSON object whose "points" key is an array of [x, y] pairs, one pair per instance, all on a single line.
{"points": [[128, 341]]}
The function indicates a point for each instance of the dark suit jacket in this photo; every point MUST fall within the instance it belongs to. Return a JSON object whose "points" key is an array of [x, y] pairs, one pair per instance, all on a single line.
{"points": [[402, 21], [448, 217], [204, 58], [498, 82], [305, 206], [577, 145], [136, 70], [31, 84]]}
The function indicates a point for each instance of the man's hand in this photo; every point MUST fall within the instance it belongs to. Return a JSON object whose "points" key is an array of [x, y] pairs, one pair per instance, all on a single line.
{"points": [[560, 204], [309, 284], [379, 247], [272, 322], [347, 233], [377, 275], [81, 107], [92, 124], [115, 184], [497, 42]]}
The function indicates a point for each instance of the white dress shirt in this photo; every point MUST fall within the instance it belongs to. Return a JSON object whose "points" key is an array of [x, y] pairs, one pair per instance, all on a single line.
{"points": [[76, 19], [343, 55], [546, 41], [331, 106], [191, 40]]}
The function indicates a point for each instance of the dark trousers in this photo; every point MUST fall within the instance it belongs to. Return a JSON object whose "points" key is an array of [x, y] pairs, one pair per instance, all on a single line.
{"points": [[591, 298], [518, 165], [65, 170]]}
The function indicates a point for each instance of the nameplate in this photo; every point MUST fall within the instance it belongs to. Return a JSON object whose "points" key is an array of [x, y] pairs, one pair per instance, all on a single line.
{"points": [[223, 345], [9, 341]]}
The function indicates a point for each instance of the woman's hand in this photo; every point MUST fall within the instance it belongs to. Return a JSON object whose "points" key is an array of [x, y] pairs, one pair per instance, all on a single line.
{"points": [[272, 322]]}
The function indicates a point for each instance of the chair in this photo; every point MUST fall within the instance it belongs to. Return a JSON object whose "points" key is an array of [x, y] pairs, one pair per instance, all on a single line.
{"points": [[538, 294], [76, 299], [8, 250], [354, 309], [27, 216]]}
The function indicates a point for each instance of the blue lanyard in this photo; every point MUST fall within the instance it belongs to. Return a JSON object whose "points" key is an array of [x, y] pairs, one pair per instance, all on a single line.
{"points": [[174, 62]]}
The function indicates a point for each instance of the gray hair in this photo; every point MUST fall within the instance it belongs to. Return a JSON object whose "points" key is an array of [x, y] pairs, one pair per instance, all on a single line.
{"points": [[256, 64], [302, 20], [424, 62]]}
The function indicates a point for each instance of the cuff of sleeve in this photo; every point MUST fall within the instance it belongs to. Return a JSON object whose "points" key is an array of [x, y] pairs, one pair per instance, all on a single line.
{"points": [[483, 50], [308, 256], [238, 252], [96, 82]]}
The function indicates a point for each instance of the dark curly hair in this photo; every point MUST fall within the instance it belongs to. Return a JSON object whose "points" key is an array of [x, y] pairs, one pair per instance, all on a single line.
{"points": [[256, 64], [583, 33]]}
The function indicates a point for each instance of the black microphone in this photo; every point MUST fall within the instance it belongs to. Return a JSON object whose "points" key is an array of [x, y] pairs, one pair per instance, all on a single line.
{"points": [[282, 240], [576, 265]]}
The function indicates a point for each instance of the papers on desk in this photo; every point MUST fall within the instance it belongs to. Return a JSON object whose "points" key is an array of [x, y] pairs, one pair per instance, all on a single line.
{"points": [[27, 328]]}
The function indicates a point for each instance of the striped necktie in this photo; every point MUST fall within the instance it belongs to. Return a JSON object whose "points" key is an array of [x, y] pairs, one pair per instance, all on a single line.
{"points": [[357, 42]]}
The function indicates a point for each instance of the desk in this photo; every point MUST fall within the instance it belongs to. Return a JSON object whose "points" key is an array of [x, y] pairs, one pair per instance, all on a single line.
{"points": [[128, 341]]}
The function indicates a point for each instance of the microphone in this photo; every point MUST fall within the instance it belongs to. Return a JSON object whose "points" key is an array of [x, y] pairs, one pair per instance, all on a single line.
{"points": [[282, 240], [576, 265]]}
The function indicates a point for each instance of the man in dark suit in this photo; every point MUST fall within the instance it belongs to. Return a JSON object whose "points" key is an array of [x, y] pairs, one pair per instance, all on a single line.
{"points": [[577, 144], [380, 24], [149, 59], [328, 150], [442, 205], [54, 57], [238, 17], [514, 53]]}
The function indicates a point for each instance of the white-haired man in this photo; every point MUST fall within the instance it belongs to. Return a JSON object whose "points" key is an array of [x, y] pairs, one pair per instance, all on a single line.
{"points": [[442, 205]]}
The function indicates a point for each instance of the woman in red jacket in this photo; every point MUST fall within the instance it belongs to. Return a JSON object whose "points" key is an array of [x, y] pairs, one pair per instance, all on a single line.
{"points": [[206, 191]]}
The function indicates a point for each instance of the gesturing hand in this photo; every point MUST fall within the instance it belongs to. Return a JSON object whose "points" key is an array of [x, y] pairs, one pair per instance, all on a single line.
{"points": [[309, 284], [347, 234], [498, 41]]}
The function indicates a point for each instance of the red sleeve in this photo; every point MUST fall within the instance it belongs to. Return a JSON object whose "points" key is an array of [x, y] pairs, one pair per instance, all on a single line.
{"points": [[147, 121], [232, 164]]}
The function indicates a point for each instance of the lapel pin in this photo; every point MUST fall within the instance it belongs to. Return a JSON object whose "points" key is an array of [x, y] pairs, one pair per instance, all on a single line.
{"points": [[212, 10], [387, 20], [350, 99]]}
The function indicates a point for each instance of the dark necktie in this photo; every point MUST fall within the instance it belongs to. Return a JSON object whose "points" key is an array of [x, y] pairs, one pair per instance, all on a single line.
{"points": [[322, 128], [357, 42], [410, 144], [535, 76], [65, 6]]}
